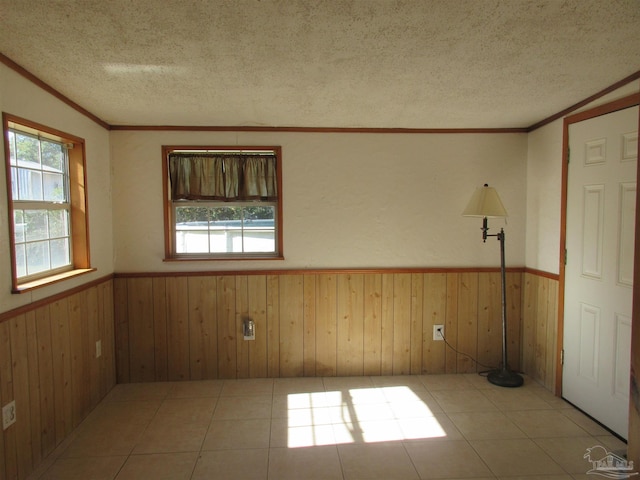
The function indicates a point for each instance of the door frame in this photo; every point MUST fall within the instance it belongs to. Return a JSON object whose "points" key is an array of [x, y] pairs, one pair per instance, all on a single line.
{"points": [[621, 104]]}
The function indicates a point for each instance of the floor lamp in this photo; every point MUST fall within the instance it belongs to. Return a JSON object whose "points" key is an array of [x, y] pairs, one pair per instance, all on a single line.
{"points": [[486, 203]]}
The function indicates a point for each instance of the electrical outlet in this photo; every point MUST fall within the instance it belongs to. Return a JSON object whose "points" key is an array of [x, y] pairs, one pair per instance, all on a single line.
{"points": [[249, 329], [98, 348], [438, 332], [8, 414]]}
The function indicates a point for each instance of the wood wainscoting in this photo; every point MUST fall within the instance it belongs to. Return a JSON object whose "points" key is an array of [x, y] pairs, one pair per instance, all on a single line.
{"points": [[540, 327], [321, 323], [48, 366]]}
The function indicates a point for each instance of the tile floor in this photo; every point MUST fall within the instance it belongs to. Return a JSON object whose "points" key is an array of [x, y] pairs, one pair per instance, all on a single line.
{"points": [[408, 427]]}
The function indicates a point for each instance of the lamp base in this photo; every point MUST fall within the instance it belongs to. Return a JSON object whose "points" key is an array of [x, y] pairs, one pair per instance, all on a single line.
{"points": [[505, 378]]}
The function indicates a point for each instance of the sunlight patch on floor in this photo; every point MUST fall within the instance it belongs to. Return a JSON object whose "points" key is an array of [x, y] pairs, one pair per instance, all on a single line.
{"points": [[360, 415]]}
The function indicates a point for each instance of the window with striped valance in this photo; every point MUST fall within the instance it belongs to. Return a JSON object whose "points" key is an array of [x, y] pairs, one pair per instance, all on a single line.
{"points": [[222, 203]]}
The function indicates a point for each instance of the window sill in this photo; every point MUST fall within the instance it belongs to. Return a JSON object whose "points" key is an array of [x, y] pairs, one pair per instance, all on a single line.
{"points": [[43, 282], [224, 259]]}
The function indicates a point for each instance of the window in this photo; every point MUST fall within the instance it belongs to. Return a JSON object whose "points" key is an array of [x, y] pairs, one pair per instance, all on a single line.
{"points": [[222, 202], [47, 203]]}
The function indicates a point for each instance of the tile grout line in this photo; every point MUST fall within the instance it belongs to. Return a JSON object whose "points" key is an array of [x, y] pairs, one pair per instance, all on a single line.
{"points": [[502, 407], [468, 442], [273, 387], [528, 437]]}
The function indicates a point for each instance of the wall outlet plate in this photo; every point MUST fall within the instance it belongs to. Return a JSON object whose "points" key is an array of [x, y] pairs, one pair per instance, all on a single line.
{"points": [[8, 414], [248, 329], [436, 334]]}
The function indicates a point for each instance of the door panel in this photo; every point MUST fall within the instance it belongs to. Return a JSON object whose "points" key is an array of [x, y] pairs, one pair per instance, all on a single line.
{"points": [[593, 229], [601, 196], [627, 237], [589, 327], [622, 353]]}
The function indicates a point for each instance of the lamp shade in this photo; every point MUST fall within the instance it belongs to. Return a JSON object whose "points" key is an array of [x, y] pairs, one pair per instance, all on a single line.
{"points": [[485, 202]]}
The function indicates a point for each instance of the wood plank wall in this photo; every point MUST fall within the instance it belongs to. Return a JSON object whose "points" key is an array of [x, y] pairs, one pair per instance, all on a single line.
{"points": [[189, 327], [539, 328], [49, 367]]}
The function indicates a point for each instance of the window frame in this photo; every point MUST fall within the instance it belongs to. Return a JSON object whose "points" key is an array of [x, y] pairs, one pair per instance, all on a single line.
{"points": [[78, 205], [170, 254]]}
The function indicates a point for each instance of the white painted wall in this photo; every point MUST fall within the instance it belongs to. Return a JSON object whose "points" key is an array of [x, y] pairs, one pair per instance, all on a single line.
{"points": [[544, 184], [22, 98], [350, 200]]}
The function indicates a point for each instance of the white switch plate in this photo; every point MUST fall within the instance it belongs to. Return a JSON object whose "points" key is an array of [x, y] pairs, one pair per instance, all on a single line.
{"points": [[98, 348], [8, 414], [436, 334]]}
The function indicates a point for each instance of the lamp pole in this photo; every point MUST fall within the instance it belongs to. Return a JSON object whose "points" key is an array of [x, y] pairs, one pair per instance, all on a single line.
{"points": [[503, 376], [503, 273]]}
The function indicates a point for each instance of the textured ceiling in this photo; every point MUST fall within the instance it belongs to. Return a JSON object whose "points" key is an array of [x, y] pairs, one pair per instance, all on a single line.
{"points": [[332, 63]]}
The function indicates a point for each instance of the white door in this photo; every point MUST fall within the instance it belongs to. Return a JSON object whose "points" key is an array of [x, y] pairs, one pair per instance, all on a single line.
{"points": [[601, 199]]}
